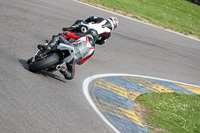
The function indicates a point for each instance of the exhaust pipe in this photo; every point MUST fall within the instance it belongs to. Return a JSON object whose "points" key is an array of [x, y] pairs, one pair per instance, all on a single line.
{"points": [[58, 67]]}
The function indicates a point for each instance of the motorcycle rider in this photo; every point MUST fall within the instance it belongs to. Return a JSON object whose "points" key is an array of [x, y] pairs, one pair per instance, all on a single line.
{"points": [[103, 27], [84, 48]]}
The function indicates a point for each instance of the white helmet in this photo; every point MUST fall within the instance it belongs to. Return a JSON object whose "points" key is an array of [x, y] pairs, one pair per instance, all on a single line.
{"points": [[113, 21]]}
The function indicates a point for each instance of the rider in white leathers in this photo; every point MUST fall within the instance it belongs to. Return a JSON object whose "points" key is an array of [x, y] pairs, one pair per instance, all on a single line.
{"points": [[103, 27]]}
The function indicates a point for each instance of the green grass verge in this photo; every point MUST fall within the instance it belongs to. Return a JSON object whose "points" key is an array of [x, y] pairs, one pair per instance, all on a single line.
{"points": [[173, 112], [178, 15]]}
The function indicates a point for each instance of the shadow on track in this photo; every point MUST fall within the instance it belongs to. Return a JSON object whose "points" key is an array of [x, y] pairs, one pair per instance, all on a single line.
{"points": [[46, 74], [23, 63]]}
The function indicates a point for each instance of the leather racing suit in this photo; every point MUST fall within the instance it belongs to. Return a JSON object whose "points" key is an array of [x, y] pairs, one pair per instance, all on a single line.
{"points": [[102, 26], [84, 48]]}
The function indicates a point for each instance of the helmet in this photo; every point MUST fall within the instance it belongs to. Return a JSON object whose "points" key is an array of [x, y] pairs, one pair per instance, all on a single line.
{"points": [[113, 21], [93, 33]]}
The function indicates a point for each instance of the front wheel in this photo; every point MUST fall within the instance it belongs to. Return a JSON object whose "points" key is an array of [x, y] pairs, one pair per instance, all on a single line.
{"points": [[45, 63]]}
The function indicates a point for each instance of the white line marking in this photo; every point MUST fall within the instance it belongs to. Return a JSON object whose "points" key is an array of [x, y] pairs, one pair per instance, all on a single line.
{"points": [[138, 21], [86, 92], [87, 81]]}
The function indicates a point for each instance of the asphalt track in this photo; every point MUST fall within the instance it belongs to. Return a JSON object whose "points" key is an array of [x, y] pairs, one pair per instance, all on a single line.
{"points": [[46, 102]]}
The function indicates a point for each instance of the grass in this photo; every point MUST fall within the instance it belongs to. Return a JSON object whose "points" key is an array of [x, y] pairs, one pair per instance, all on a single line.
{"points": [[178, 15], [173, 112]]}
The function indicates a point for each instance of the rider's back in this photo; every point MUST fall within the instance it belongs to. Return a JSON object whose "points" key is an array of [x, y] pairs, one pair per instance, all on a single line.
{"points": [[84, 49]]}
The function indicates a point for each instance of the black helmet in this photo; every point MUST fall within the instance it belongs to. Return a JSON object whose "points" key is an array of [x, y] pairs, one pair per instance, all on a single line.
{"points": [[93, 33]]}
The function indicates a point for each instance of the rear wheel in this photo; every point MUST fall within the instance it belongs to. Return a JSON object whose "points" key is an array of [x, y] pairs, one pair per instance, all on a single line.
{"points": [[45, 63]]}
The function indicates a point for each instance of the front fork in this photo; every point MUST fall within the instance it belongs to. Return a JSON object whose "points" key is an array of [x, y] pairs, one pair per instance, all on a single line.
{"points": [[37, 53]]}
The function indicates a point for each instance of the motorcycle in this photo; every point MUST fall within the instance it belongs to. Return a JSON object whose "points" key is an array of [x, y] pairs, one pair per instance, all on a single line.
{"points": [[53, 59], [58, 56]]}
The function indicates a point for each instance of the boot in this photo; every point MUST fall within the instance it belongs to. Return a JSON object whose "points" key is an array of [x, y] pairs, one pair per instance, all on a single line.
{"points": [[42, 47], [67, 74]]}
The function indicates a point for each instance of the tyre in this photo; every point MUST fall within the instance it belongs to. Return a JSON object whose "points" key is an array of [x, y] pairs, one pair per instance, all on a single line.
{"points": [[29, 60], [46, 62]]}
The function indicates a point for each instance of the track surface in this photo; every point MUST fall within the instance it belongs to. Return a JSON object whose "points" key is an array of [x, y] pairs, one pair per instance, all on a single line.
{"points": [[112, 97], [47, 102]]}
